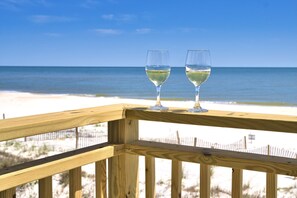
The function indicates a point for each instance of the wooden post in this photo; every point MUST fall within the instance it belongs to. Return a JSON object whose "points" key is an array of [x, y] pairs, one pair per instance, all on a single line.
{"points": [[3, 116], [9, 193], [177, 137], [45, 187], [195, 141], [176, 179], [123, 169], [271, 181], [236, 183], [75, 183], [100, 175], [244, 142], [150, 184], [76, 137], [204, 180]]}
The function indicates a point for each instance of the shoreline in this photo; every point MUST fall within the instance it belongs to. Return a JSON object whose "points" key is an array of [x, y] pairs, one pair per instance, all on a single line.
{"points": [[171, 100]]}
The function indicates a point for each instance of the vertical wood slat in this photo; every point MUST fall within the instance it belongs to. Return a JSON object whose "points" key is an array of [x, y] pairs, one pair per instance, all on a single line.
{"points": [[176, 179], [45, 187], [123, 169], [271, 185], [150, 184], [236, 183], [100, 175], [75, 189], [204, 180], [271, 181], [9, 193]]}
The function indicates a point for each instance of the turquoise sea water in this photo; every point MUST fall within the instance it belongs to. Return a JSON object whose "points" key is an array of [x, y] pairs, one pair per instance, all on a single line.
{"points": [[242, 85]]}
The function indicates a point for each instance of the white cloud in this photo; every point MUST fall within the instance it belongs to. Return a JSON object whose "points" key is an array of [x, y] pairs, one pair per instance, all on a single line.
{"points": [[108, 31], [90, 3], [143, 30], [108, 16], [49, 19], [52, 34], [120, 17], [17, 4]]}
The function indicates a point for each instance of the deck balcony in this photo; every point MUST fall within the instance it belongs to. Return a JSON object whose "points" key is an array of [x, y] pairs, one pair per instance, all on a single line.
{"points": [[123, 148]]}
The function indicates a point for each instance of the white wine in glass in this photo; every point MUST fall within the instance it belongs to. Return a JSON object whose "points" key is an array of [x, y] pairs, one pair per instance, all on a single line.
{"points": [[158, 70], [198, 68]]}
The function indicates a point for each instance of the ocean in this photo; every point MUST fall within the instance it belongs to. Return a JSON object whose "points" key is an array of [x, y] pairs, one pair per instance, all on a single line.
{"points": [[267, 86]]}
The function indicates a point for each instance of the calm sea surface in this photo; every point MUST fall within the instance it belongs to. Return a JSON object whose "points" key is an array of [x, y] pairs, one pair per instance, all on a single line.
{"points": [[242, 85]]}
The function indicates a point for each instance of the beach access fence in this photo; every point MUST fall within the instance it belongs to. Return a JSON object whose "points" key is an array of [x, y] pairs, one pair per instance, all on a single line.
{"points": [[83, 138]]}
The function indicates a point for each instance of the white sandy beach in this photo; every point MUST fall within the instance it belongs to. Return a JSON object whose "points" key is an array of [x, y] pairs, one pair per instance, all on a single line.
{"points": [[16, 104]]}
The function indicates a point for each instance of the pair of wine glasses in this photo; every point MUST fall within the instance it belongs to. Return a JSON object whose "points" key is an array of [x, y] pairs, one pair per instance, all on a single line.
{"points": [[198, 67]]}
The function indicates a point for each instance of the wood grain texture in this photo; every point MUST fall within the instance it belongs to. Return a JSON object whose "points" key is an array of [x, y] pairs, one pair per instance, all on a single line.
{"points": [[46, 167], [10, 193], [267, 122], [271, 185], [236, 183], [248, 161], [75, 189], [123, 169], [38, 124], [204, 180], [100, 176], [150, 177], [45, 187], [176, 179]]}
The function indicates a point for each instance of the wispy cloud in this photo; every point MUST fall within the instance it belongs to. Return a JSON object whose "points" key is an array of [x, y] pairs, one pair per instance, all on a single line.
{"points": [[49, 19], [52, 34], [143, 30], [90, 3], [108, 31], [191, 29], [18, 4], [119, 17]]}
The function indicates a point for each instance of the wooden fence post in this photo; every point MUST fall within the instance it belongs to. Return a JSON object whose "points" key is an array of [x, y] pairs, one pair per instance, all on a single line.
{"points": [[76, 137], [123, 169]]}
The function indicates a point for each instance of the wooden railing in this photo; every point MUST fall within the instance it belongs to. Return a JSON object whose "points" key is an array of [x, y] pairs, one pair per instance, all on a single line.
{"points": [[124, 147]]}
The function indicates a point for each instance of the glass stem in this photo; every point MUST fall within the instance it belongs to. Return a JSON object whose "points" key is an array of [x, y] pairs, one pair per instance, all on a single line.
{"points": [[197, 104], [158, 88]]}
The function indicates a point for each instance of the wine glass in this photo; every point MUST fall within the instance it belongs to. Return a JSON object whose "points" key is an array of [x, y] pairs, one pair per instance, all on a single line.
{"points": [[198, 67], [157, 69]]}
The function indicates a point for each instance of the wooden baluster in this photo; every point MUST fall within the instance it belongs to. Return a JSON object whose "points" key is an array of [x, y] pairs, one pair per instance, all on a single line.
{"points": [[123, 169], [204, 180], [150, 184], [45, 187], [9, 193], [75, 183], [271, 181], [100, 169], [236, 183], [176, 178]]}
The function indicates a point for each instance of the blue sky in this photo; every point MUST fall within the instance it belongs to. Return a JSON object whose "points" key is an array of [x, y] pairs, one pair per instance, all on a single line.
{"points": [[245, 33]]}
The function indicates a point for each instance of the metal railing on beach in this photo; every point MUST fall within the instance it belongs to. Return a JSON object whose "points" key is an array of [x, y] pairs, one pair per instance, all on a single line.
{"points": [[123, 148]]}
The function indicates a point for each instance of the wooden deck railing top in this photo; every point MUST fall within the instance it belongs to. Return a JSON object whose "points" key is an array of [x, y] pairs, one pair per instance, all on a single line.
{"points": [[38, 124]]}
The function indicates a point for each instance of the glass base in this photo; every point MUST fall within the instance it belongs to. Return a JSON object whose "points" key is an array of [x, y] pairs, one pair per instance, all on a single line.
{"points": [[158, 108], [197, 110]]}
